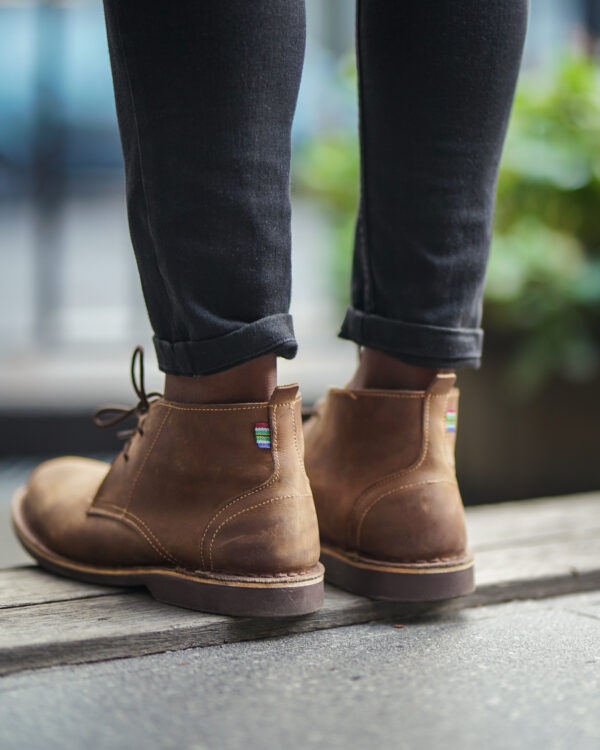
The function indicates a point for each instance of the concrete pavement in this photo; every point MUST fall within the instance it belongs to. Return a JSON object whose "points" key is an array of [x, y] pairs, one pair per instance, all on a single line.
{"points": [[518, 675]]}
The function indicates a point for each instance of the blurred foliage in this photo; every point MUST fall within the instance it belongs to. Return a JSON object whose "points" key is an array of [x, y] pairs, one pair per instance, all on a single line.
{"points": [[542, 300]]}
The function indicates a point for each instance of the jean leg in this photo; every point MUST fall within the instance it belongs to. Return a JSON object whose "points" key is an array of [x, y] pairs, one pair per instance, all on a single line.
{"points": [[436, 84], [205, 94]]}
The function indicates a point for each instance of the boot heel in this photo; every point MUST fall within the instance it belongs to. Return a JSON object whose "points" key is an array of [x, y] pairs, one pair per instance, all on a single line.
{"points": [[398, 582]]}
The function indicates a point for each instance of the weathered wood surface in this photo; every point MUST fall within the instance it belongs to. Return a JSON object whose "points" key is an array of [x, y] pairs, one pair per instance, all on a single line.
{"points": [[523, 550], [24, 586], [524, 522]]}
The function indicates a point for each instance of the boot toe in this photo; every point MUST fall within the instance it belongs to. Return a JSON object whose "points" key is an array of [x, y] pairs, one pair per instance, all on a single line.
{"points": [[57, 497]]}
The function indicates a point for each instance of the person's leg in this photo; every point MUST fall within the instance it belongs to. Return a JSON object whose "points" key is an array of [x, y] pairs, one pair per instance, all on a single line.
{"points": [[208, 504], [436, 82], [205, 97], [435, 93]]}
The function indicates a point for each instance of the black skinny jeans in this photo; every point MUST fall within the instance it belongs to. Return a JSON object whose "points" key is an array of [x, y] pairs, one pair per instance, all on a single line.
{"points": [[206, 92]]}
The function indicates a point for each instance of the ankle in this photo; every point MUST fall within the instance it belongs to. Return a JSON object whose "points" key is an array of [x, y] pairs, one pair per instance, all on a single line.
{"points": [[379, 370], [251, 381]]}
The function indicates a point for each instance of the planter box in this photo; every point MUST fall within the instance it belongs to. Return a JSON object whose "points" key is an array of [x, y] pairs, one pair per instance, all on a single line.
{"points": [[510, 448]]}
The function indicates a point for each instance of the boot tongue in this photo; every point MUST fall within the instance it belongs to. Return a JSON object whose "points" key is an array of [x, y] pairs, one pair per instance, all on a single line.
{"points": [[442, 383], [284, 394]]}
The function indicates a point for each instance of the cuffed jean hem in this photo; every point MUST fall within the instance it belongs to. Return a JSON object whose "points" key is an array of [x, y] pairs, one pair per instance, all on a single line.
{"points": [[271, 335], [414, 343]]}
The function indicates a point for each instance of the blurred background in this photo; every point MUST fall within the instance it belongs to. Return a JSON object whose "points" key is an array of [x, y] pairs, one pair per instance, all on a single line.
{"points": [[71, 308]]}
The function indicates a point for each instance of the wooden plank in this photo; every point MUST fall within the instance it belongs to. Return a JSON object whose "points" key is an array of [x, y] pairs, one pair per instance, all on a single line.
{"points": [[48, 621], [132, 624], [27, 585], [504, 524], [551, 559]]}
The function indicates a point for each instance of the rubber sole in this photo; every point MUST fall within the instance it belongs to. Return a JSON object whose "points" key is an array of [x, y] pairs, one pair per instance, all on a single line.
{"points": [[412, 582], [243, 596]]}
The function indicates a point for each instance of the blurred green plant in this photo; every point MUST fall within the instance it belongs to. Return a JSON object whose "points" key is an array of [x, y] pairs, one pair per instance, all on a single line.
{"points": [[542, 300]]}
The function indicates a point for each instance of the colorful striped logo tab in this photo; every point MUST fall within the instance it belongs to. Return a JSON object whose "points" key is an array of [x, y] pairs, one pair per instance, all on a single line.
{"points": [[262, 433], [451, 420]]}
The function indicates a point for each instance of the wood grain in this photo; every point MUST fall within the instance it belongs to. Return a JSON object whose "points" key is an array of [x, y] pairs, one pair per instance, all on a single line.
{"points": [[27, 585], [521, 522]]}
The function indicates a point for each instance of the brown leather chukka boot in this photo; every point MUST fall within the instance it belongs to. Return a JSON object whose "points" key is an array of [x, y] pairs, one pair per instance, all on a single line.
{"points": [[381, 467], [208, 506]]}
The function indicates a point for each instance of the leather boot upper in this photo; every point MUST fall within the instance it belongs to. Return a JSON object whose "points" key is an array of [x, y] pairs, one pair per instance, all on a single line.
{"points": [[194, 490], [381, 467]]}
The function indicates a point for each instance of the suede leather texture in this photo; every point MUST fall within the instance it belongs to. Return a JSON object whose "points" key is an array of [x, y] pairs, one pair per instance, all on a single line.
{"points": [[381, 467], [196, 493]]}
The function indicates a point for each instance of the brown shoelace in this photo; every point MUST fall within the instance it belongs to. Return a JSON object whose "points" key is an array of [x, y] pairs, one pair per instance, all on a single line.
{"points": [[112, 414]]}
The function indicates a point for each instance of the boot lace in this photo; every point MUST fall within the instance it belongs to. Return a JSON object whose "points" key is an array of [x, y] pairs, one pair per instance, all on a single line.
{"points": [[112, 414]]}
